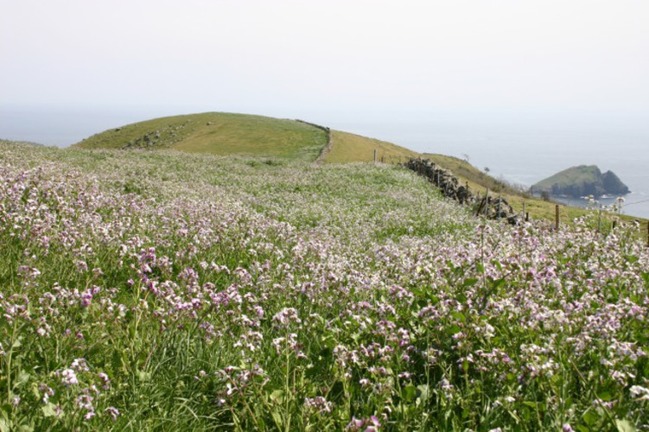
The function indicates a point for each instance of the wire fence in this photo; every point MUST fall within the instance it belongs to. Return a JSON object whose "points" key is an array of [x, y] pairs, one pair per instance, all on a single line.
{"points": [[637, 202], [559, 216]]}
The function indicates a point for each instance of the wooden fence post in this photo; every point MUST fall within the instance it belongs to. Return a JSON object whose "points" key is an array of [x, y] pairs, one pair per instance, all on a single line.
{"points": [[556, 217], [483, 203], [599, 221], [374, 155]]}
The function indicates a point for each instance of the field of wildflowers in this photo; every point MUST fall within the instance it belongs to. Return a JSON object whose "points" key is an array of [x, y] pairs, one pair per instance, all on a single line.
{"points": [[160, 291]]}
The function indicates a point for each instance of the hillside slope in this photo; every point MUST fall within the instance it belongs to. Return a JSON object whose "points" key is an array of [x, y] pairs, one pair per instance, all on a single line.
{"points": [[251, 135], [216, 133], [348, 147], [581, 181], [164, 290]]}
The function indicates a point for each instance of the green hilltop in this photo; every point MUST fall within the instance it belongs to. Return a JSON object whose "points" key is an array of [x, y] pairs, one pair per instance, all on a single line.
{"points": [[216, 133], [247, 135], [582, 181], [227, 134]]}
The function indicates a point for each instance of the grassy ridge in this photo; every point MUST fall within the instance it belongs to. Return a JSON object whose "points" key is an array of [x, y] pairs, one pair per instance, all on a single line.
{"points": [[349, 147], [238, 134], [217, 133]]}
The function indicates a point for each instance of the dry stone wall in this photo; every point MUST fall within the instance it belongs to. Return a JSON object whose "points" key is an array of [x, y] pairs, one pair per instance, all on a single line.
{"points": [[327, 148], [448, 184]]}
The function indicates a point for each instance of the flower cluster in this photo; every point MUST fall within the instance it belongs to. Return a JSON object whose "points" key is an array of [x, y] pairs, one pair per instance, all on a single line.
{"points": [[157, 290]]}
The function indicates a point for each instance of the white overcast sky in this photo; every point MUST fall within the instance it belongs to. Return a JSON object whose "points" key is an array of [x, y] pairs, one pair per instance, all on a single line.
{"points": [[292, 58]]}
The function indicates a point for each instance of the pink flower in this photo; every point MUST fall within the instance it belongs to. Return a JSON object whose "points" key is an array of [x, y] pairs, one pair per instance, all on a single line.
{"points": [[69, 377], [112, 412]]}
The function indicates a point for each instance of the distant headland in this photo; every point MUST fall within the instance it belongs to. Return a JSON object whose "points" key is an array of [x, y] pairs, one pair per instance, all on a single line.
{"points": [[580, 181]]}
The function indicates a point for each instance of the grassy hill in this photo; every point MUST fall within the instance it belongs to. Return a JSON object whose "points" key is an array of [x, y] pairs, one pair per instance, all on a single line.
{"points": [[165, 290], [259, 136], [581, 181], [348, 147], [217, 133], [243, 134]]}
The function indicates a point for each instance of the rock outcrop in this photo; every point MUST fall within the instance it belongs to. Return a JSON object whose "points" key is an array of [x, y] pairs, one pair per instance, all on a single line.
{"points": [[448, 184], [580, 181]]}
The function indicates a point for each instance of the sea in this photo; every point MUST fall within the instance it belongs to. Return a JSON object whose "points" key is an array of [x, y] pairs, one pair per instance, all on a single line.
{"points": [[523, 150], [519, 148]]}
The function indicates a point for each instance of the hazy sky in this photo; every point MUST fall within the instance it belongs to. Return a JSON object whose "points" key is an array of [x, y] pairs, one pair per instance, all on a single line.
{"points": [[295, 58]]}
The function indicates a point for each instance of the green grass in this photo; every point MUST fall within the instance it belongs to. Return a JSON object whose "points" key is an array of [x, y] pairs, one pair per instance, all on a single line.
{"points": [[200, 292], [276, 139], [572, 176], [349, 147], [217, 133]]}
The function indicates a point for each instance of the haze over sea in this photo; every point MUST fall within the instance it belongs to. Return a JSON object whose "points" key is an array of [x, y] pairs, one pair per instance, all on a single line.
{"points": [[520, 148]]}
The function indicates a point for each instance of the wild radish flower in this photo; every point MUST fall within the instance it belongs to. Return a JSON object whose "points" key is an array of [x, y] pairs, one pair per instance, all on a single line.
{"points": [[640, 393], [80, 365], [41, 331], [259, 311], [230, 389], [287, 315], [105, 380], [277, 343], [81, 265], [69, 377], [372, 424], [85, 401], [112, 412], [599, 403], [445, 385], [318, 404], [355, 424], [46, 391]]}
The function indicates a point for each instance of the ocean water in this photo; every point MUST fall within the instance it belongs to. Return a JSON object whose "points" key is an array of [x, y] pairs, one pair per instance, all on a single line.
{"points": [[525, 151], [520, 149], [61, 127]]}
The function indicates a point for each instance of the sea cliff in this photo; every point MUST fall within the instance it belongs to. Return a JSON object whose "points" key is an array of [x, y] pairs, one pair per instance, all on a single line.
{"points": [[581, 181]]}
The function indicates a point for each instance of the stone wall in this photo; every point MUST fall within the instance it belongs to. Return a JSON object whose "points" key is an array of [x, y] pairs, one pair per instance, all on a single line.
{"points": [[327, 148], [448, 184]]}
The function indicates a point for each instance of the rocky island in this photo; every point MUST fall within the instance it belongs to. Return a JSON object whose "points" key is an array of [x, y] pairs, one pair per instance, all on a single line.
{"points": [[580, 181]]}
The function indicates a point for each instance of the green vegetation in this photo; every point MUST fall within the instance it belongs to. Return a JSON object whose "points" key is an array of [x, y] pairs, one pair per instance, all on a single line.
{"points": [[248, 135], [468, 173], [349, 147], [147, 291], [580, 181], [217, 133]]}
